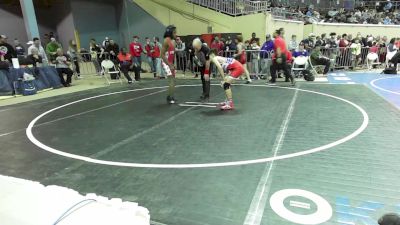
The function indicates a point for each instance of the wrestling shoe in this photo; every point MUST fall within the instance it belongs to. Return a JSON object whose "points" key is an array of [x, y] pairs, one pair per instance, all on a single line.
{"points": [[170, 100], [228, 106]]}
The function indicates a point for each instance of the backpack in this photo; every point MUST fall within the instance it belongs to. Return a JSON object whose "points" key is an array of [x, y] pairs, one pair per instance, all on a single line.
{"points": [[390, 70], [25, 87]]}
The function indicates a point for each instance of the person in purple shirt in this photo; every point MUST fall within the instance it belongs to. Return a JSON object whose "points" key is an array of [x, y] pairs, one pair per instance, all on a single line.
{"points": [[302, 63], [300, 51], [265, 55]]}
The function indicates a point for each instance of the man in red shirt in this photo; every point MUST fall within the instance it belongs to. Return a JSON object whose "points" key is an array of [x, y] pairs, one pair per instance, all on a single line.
{"points": [[136, 50], [157, 58], [149, 51], [280, 59]]}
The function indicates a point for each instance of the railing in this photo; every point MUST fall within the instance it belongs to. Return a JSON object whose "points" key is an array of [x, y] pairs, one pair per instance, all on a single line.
{"points": [[234, 7], [257, 61], [283, 13], [374, 4]]}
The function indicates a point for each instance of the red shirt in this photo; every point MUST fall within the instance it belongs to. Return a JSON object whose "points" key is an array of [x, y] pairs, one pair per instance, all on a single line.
{"points": [[280, 43], [135, 49], [124, 58], [157, 51], [374, 49], [149, 50], [215, 46]]}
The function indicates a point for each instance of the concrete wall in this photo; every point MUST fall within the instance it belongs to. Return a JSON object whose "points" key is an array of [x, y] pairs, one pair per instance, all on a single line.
{"points": [[291, 27], [95, 19], [192, 19], [65, 29], [133, 20], [12, 24], [382, 30]]}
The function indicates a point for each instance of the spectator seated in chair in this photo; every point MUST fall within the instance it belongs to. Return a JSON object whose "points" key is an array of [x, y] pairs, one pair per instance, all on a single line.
{"points": [[63, 63], [125, 63], [34, 58], [317, 59]]}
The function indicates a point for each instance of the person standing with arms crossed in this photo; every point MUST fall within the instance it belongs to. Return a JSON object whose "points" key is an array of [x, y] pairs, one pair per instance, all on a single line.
{"points": [[167, 57]]}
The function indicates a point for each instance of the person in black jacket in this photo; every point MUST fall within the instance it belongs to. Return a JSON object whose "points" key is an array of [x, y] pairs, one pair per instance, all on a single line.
{"points": [[34, 59], [113, 49], [202, 60], [7, 50]]}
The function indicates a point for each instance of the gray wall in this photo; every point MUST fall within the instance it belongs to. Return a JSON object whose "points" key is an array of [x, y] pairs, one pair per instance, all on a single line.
{"points": [[133, 20], [65, 31], [95, 19], [12, 24]]}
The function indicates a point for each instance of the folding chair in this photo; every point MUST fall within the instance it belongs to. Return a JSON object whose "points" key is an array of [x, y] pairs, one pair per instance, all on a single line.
{"points": [[314, 68], [372, 59], [107, 65], [299, 65]]}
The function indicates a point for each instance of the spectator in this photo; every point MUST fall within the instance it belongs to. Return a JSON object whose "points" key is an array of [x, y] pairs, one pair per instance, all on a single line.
{"points": [[374, 48], [255, 48], [105, 42], [317, 59], [19, 49], [388, 6], [73, 55], [136, 50], [46, 40], [332, 42], [356, 52], [301, 51], [230, 47], [318, 41], [7, 50], [95, 55], [323, 39], [265, 55], [222, 45], [149, 51], [180, 49], [51, 48], [309, 43], [157, 58], [63, 63], [34, 59], [387, 21], [36, 44], [215, 44], [292, 43], [125, 64], [113, 50], [254, 37]]}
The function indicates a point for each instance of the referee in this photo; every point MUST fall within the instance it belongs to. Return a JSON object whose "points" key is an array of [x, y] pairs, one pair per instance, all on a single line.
{"points": [[280, 59], [202, 60]]}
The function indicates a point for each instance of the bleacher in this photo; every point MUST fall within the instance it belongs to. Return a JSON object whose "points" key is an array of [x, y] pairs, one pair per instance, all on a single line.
{"points": [[234, 7]]}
